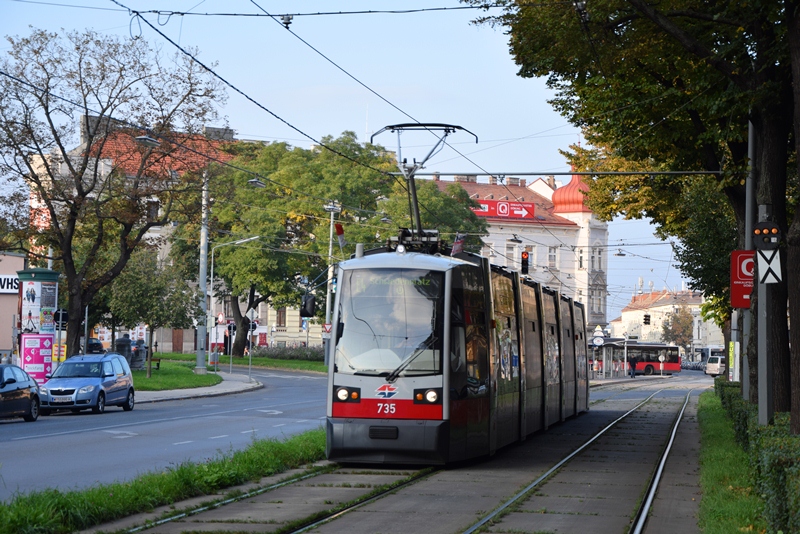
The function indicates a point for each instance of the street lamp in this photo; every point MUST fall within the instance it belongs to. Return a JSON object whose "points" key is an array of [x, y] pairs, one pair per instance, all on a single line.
{"points": [[332, 208], [213, 250], [200, 361]]}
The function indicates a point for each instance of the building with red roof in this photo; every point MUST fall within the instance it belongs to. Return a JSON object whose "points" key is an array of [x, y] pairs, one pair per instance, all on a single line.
{"points": [[565, 241]]}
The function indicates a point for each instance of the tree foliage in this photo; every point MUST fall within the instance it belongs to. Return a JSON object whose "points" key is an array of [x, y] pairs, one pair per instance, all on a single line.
{"points": [[289, 214], [679, 329], [151, 293], [70, 108], [673, 86]]}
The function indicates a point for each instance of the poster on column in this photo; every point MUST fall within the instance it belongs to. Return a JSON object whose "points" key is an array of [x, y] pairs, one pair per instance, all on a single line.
{"points": [[37, 355], [38, 306]]}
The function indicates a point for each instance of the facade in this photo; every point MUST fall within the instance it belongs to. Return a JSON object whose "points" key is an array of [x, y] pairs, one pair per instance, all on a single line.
{"points": [[565, 242], [659, 306], [10, 263]]}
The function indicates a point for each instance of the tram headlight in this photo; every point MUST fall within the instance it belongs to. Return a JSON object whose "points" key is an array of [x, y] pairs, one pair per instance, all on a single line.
{"points": [[346, 394], [428, 396]]}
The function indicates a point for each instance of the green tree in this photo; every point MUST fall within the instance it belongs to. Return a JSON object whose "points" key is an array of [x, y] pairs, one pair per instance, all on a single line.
{"points": [[153, 294], [97, 202], [679, 329], [672, 86], [289, 215]]}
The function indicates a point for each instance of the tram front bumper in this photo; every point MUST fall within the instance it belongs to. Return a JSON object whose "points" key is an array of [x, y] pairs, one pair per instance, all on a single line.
{"points": [[390, 441]]}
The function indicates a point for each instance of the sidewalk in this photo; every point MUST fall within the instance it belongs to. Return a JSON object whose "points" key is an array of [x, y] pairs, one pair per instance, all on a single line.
{"points": [[231, 383]]}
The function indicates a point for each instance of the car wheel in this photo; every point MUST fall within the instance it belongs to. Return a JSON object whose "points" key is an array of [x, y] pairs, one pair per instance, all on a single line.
{"points": [[33, 411], [128, 406], [100, 407]]}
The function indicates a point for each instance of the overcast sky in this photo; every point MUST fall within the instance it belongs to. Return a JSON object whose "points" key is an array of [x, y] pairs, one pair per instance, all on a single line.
{"points": [[378, 69]]}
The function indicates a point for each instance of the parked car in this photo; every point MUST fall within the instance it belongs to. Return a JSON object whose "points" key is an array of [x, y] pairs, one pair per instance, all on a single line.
{"points": [[715, 365], [89, 381], [19, 394], [94, 346]]}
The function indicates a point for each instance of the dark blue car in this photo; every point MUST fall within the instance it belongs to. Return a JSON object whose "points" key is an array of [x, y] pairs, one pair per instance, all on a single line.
{"points": [[19, 393]]}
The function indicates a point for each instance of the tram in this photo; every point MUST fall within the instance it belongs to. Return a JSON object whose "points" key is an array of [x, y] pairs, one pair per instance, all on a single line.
{"points": [[437, 358]]}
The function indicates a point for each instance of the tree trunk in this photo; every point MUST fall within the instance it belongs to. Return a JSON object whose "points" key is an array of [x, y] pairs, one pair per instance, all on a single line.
{"points": [[793, 232]]}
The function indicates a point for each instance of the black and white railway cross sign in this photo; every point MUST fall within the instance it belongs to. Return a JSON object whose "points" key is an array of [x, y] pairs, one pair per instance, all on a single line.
{"points": [[769, 266]]}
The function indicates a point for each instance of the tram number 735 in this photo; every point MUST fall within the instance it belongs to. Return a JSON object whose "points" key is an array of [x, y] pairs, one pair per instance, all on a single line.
{"points": [[386, 407]]}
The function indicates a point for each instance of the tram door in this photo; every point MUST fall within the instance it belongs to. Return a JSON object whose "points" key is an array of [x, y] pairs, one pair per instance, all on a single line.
{"points": [[506, 359], [581, 359], [469, 365], [567, 358], [552, 365], [532, 361]]}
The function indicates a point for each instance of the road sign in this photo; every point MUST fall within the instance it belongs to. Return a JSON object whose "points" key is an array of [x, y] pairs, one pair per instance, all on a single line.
{"points": [[60, 317], [769, 266], [326, 331], [742, 271], [502, 208]]}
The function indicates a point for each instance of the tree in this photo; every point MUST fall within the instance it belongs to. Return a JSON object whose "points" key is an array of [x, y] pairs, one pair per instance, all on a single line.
{"points": [[154, 294], [672, 86], [679, 329], [95, 204], [289, 214]]}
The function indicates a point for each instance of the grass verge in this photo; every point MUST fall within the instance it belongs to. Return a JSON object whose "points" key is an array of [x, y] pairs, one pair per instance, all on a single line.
{"points": [[173, 375], [729, 502], [270, 363], [57, 512]]}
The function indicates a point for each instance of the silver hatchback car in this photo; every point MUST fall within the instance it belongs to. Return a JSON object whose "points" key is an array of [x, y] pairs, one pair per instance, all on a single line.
{"points": [[89, 381]]}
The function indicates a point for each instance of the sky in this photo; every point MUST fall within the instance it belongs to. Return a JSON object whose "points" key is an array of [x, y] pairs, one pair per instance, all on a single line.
{"points": [[334, 70]]}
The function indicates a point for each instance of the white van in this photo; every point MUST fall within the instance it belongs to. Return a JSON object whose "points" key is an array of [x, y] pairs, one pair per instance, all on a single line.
{"points": [[715, 365]]}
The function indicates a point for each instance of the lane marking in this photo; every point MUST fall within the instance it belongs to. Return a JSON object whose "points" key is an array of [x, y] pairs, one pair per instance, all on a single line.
{"points": [[282, 424], [218, 437], [183, 442]]}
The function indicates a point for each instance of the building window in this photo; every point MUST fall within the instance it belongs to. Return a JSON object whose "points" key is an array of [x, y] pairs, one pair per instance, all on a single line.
{"points": [[511, 253], [580, 258], [599, 259], [531, 250], [593, 259], [551, 257], [280, 320]]}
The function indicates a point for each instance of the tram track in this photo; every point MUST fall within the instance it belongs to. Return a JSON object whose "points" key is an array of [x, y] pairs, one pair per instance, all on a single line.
{"points": [[338, 489], [643, 507]]}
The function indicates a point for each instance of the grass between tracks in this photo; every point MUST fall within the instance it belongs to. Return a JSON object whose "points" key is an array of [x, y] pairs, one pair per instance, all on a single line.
{"points": [[62, 512], [729, 503]]}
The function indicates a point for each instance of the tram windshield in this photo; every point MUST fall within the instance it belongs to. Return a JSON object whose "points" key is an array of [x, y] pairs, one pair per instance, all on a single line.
{"points": [[389, 323]]}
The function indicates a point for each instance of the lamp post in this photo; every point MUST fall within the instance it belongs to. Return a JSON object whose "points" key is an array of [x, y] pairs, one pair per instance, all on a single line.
{"points": [[200, 362], [332, 208]]}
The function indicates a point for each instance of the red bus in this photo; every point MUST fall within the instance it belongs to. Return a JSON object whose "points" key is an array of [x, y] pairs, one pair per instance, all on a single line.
{"points": [[648, 355]]}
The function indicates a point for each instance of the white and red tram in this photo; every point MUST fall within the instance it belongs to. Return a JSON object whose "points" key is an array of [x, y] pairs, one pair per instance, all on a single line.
{"points": [[435, 359]]}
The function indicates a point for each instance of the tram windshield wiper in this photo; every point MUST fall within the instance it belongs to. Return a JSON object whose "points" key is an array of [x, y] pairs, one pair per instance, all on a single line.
{"points": [[391, 377]]}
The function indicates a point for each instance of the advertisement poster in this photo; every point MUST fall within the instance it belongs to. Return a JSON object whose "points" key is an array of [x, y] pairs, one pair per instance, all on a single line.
{"points": [[37, 355], [38, 306]]}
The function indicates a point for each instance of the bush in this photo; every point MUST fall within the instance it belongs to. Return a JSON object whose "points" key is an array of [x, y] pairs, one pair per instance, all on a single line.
{"points": [[314, 354], [779, 456]]}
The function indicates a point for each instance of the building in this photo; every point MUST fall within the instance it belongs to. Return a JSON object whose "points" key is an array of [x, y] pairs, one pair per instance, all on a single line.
{"points": [[566, 243], [646, 314], [10, 263]]}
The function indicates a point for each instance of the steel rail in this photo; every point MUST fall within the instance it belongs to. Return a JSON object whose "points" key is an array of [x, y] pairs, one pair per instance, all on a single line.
{"points": [[556, 467]]}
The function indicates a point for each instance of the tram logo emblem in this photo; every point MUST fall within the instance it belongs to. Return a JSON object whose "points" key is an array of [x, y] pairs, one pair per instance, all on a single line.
{"points": [[386, 391]]}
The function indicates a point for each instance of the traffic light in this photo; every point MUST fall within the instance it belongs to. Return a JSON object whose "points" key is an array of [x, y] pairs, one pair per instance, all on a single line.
{"points": [[308, 306], [253, 326], [766, 236], [333, 285], [525, 258], [231, 328], [646, 318]]}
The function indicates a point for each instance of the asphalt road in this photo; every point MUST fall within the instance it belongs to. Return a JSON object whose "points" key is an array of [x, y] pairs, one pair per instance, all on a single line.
{"points": [[68, 451]]}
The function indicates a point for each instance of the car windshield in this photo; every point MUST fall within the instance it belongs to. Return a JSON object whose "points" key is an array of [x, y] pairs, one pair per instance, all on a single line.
{"points": [[389, 320], [78, 370]]}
